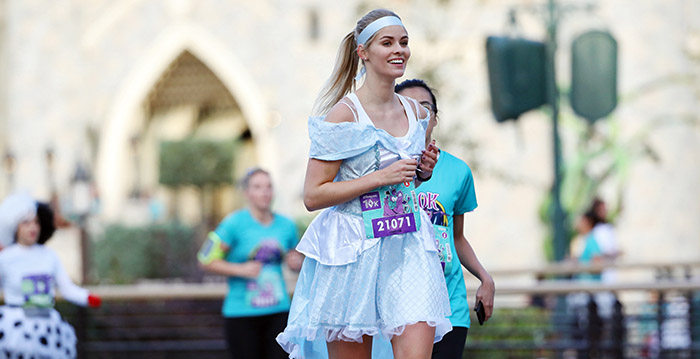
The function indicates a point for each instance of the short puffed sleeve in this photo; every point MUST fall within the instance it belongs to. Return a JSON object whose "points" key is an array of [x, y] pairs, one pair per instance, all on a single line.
{"points": [[337, 141]]}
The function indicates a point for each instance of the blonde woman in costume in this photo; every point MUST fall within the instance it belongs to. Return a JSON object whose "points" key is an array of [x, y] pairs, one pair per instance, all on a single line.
{"points": [[372, 275]]}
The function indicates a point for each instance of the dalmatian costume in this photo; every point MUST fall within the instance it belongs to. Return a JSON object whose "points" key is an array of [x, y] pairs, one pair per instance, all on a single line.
{"points": [[29, 325]]}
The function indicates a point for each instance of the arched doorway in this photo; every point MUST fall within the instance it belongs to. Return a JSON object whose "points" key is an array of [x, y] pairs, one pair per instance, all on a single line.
{"points": [[188, 102], [124, 123]]}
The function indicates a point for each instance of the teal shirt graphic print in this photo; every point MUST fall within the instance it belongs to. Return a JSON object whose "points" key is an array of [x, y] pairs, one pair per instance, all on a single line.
{"points": [[266, 290]]}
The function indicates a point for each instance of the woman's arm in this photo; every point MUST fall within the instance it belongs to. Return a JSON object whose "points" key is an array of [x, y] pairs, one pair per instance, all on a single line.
{"points": [[249, 269], [321, 192], [294, 260], [69, 290], [468, 258]]}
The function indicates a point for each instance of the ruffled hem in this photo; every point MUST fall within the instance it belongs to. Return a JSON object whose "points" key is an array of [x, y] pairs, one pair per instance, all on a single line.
{"points": [[309, 335], [334, 238]]}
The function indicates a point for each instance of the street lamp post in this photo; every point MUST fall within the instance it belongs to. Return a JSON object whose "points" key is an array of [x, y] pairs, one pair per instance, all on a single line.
{"points": [[559, 216], [81, 204], [81, 201]]}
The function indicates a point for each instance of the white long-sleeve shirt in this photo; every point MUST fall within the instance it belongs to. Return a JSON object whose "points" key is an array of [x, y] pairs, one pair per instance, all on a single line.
{"points": [[33, 273]]}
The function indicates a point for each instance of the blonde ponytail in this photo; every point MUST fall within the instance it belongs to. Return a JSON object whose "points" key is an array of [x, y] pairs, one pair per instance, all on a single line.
{"points": [[342, 79], [347, 63]]}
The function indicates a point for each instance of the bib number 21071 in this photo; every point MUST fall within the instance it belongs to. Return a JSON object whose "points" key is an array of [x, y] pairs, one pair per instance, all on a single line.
{"points": [[390, 210]]}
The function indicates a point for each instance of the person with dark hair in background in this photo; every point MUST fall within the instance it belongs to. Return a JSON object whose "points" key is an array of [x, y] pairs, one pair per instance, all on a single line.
{"points": [[249, 246], [609, 306], [604, 234], [30, 327], [371, 273], [447, 197]]}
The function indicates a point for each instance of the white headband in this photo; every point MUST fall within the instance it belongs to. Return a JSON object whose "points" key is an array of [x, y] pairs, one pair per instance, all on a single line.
{"points": [[371, 29], [377, 25]]}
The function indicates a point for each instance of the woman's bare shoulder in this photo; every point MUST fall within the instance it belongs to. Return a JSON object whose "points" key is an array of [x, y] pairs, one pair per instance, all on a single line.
{"points": [[339, 113]]}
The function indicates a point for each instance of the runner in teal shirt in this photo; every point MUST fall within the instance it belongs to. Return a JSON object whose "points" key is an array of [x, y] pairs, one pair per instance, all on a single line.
{"points": [[446, 196], [249, 247], [250, 240]]}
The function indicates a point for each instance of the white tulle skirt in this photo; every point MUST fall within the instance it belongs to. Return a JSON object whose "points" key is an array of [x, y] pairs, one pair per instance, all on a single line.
{"points": [[391, 285], [35, 336]]}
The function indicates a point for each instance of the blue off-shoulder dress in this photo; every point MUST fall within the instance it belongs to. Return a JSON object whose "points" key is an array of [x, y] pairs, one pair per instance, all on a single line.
{"points": [[351, 285]]}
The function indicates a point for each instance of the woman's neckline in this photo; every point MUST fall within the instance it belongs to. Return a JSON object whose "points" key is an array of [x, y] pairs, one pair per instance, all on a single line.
{"points": [[405, 115]]}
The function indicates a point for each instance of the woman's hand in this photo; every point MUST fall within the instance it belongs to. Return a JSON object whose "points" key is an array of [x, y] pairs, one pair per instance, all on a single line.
{"points": [[94, 300], [429, 159], [249, 269], [399, 172], [485, 294], [294, 260]]}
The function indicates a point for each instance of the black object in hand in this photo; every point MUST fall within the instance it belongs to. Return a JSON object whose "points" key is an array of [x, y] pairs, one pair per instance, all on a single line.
{"points": [[480, 313]]}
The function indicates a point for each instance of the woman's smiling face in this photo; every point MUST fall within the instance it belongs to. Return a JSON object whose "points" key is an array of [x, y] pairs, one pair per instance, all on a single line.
{"points": [[388, 52]]}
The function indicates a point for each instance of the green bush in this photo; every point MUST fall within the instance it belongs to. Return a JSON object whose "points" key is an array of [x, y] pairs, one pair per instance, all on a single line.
{"points": [[154, 251], [196, 162]]}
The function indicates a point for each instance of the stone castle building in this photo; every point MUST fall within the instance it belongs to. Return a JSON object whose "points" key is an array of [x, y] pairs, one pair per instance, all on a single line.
{"points": [[90, 88]]}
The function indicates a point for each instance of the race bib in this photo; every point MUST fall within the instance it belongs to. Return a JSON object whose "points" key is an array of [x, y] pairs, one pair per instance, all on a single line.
{"points": [[267, 290], [442, 242], [390, 210], [37, 291]]}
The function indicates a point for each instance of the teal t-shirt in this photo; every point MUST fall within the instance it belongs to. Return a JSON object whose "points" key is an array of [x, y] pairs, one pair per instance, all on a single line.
{"points": [[448, 193], [248, 239], [591, 249]]}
